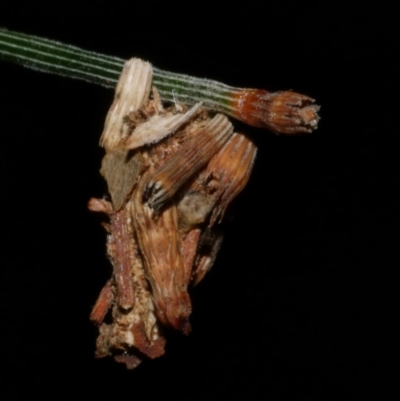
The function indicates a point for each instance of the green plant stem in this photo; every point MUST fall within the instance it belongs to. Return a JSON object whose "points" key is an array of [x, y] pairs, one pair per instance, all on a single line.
{"points": [[70, 61]]}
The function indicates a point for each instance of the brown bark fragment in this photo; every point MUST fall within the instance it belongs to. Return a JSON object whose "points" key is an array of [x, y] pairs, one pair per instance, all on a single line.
{"points": [[152, 350], [122, 251], [232, 165], [103, 304], [100, 205], [159, 241]]}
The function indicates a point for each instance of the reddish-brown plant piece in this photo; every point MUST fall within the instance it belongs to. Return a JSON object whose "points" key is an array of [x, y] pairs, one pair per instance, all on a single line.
{"points": [[281, 112]]}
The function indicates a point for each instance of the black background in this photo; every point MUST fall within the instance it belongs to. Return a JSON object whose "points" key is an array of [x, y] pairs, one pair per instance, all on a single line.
{"points": [[303, 298]]}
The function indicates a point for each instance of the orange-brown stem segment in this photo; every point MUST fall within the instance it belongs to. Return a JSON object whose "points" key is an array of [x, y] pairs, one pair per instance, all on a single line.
{"points": [[281, 112]]}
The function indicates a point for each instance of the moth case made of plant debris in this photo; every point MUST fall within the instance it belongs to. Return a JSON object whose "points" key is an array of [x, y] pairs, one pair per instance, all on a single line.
{"points": [[171, 174]]}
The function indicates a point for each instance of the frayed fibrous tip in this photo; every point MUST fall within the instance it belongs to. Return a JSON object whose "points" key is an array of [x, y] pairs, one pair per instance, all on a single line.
{"points": [[281, 112]]}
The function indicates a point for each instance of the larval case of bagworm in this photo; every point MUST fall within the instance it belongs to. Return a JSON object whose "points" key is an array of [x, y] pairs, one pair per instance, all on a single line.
{"points": [[171, 174]]}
